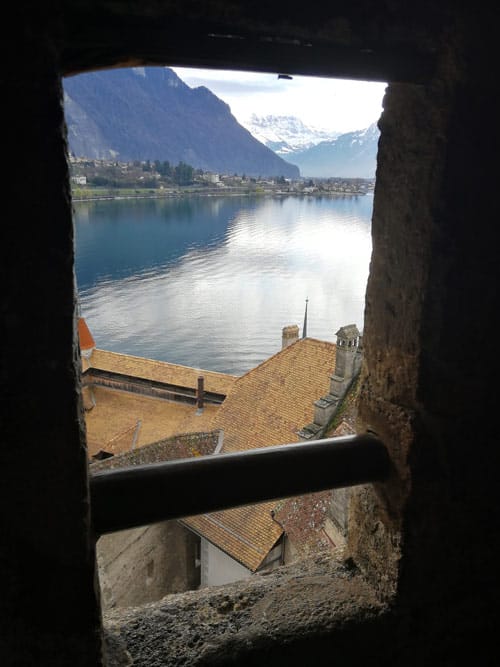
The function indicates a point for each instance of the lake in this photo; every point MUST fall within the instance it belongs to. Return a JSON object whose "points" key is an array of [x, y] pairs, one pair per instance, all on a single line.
{"points": [[210, 282]]}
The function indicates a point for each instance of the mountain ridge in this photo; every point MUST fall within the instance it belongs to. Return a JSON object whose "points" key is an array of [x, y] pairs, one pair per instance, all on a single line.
{"points": [[350, 155], [286, 134], [317, 152], [150, 113]]}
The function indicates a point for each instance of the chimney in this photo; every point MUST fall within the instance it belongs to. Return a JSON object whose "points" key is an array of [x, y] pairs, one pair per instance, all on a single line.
{"points": [[200, 392], [347, 346], [290, 334]]}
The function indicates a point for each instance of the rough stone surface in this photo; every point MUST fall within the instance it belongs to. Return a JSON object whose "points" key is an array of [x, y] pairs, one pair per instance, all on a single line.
{"points": [[143, 564], [185, 445], [413, 123], [49, 597], [290, 605]]}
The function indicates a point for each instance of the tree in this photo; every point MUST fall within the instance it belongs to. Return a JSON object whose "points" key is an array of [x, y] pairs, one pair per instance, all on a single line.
{"points": [[183, 174], [165, 168]]}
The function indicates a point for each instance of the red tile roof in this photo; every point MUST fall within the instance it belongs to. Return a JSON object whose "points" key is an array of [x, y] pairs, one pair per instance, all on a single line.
{"points": [[266, 406], [160, 371], [87, 341]]}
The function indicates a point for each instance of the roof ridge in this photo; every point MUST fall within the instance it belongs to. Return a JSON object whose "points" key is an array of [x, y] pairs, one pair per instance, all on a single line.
{"points": [[283, 350], [164, 363]]}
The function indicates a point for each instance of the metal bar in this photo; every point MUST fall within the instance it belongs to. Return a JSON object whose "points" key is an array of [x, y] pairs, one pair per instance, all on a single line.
{"points": [[140, 495]]}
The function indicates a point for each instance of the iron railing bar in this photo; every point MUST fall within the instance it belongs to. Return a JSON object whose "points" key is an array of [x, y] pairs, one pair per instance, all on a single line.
{"points": [[140, 495]]}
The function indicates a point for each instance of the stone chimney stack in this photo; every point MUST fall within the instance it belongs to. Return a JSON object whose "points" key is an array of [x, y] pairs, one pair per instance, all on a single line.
{"points": [[290, 334], [347, 346]]}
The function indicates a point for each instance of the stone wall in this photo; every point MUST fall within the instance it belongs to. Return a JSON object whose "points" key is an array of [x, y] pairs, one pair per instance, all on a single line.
{"points": [[426, 388], [147, 387], [144, 564], [181, 446], [276, 619], [49, 600]]}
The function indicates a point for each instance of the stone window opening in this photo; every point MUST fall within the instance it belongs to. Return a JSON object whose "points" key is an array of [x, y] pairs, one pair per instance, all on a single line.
{"points": [[400, 595], [336, 565], [339, 536], [315, 564]]}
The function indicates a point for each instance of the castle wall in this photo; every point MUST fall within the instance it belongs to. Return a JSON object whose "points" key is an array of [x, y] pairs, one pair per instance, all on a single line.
{"points": [[184, 445], [426, 534], [148, 387], [144, 564], [49, 603]]}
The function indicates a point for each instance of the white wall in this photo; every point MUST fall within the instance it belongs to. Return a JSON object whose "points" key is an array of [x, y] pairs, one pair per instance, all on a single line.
{"points": [[218, 568]]}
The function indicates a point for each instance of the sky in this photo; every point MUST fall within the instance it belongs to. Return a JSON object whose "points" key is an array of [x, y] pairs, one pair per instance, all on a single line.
{"points": [[337, 105]]}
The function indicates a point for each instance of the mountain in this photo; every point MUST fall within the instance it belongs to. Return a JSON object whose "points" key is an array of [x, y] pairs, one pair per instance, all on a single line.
{"points": [[318, 152], [286, 135], [350, 155], [149, 113]]}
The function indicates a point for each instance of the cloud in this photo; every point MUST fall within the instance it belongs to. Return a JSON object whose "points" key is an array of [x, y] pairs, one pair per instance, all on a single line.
{"points": [[339, 105], [225, 87]]}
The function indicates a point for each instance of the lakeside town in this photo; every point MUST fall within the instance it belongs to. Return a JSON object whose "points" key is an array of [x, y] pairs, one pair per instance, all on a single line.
{"points": [[107, 179]]}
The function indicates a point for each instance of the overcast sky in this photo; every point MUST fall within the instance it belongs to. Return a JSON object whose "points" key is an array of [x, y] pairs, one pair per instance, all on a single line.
{"points": [[338, 105]]}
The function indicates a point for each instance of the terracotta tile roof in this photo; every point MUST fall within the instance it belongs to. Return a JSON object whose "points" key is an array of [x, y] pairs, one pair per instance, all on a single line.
{"points": [[244, 533], [267, 406], [160, 371], [303, 519], [87, 341], [111, 423], [272, 402]]}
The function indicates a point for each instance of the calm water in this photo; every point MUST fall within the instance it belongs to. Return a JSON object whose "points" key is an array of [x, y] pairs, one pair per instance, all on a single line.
{"points": [[211, 282]]}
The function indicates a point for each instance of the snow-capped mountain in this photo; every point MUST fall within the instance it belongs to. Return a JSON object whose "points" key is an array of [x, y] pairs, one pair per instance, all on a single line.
{"points": [[318, 152], [351, 155], [285, 134]]}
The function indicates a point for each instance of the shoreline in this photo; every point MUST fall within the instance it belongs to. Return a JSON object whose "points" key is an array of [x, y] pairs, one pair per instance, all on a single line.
{"points": [[178, 195]]}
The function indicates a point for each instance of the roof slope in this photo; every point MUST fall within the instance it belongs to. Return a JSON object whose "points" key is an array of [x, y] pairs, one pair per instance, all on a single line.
{"points": [[267, 406], [87, 341], [160, 371], [272, 402], [247, 534], [119, 418]]}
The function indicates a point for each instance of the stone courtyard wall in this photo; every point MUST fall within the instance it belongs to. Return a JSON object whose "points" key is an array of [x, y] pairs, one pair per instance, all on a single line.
{"points": [[181, 446]]}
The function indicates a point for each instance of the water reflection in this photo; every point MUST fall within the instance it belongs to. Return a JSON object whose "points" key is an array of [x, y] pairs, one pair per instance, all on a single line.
{"points": [[211, 282]]}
